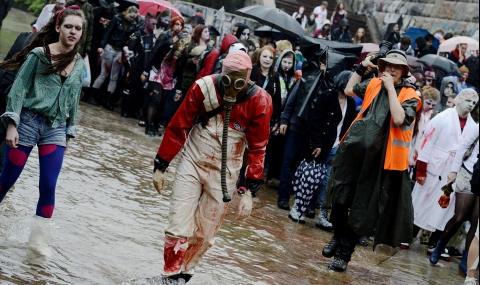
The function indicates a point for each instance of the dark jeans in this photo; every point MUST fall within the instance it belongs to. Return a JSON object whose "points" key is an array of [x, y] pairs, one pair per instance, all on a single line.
{"points": [[292, 143]]}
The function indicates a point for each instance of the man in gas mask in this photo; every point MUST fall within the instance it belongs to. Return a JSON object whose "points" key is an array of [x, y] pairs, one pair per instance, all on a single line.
{"points": [[196, 206]]}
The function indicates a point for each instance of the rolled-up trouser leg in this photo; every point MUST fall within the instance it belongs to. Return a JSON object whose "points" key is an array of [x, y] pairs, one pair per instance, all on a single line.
{"points": [[186, 193]]}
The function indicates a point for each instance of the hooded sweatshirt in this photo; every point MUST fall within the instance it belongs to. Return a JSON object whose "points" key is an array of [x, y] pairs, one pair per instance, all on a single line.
{"points": [[340, 35], [209, 62], [286, 79], [443, 99]]}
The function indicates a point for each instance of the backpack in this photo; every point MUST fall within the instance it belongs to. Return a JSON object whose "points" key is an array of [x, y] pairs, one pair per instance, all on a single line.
{"points": [[205, 54], [7, 77]]}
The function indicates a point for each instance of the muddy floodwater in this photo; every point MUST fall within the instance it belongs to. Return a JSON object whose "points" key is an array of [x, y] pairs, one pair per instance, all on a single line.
{"points": [[108, 224]]}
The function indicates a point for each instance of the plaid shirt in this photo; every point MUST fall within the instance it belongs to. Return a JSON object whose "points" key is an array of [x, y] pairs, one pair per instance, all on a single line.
{"points": [[87, 10]]}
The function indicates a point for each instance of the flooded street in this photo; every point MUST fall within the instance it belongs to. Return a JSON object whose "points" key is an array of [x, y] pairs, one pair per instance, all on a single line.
{"points": [[108, 223]]}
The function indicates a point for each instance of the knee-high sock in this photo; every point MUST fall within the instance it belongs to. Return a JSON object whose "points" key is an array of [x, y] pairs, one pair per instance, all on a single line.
{"points": [[15, 159], [51, 159]]}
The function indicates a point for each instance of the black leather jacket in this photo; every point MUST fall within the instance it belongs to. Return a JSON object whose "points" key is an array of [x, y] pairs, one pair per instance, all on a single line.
{"points": [[116, 35]]}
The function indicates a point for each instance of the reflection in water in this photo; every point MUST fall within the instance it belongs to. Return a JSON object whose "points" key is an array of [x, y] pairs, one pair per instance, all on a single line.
{"points": [[108, 224]]}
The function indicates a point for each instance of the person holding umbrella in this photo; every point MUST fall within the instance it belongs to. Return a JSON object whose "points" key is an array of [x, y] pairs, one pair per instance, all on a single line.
{"points": [[369, 171], [458, 55]]}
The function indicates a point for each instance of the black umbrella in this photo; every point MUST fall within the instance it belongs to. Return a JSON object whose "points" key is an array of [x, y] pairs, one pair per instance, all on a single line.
{"points": [[439, 62], [127, 3], [186, 10], [309, 45], [274, 18], [267, 32]]}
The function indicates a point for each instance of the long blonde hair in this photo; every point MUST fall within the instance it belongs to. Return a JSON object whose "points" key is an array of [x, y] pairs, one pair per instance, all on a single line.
{"points": [[357, 39]]}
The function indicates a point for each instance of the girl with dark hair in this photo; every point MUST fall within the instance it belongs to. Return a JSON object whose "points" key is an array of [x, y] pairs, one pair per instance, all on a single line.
{"points": [[41, 110], [338, 15]]}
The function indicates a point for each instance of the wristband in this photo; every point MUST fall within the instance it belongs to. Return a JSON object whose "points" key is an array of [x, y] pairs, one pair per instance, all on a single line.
{"points": [[160, 164], [145, 73], [361, 69]]}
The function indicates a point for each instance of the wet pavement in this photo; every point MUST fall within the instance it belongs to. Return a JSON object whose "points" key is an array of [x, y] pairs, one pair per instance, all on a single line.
{"points": [[108, 223]]}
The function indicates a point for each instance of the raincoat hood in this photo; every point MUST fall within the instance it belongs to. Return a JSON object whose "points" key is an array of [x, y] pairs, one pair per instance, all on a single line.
{"points": [[278, 64], [327, 22], [345, 22], [445, 81], [226, 42]]}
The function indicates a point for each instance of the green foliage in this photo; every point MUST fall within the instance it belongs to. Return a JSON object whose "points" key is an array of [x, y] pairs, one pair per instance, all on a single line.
{"points": [[34, 6]]}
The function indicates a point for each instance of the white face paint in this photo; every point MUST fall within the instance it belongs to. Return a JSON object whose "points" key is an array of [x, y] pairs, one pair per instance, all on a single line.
{"points": [[188, 29], [245, 35], [301, 10], [448, 90], [429, 104], [312, 17], [266, 59], [466, 106], [449, 103], [287, 63]]}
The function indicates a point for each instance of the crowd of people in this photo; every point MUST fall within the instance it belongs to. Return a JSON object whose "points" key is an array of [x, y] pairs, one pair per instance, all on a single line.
{"points": [[398, 146]]}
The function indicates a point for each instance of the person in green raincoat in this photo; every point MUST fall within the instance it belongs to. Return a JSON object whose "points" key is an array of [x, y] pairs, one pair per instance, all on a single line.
{"points": [[369, 172]]}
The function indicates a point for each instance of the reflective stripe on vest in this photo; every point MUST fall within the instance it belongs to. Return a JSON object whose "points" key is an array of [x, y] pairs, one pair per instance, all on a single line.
{"points": [[399, 137]]}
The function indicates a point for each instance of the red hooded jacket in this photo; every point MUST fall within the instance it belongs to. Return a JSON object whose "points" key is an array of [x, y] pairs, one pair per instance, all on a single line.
{"points": [[209, 62]]}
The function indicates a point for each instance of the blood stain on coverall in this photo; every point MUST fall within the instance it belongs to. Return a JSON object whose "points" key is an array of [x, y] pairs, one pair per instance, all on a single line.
{"points": [[428, 136]]}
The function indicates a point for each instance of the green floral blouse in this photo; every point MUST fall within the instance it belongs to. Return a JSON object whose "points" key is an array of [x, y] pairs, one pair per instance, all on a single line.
{"points": [[45, 94]]}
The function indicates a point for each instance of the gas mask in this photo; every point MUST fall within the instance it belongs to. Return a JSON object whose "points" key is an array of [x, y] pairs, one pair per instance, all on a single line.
{"points": [[233, 83], [181, 45]]}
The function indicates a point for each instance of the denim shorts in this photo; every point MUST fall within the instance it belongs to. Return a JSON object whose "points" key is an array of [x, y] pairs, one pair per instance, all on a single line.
{"points": [[36, 130]]}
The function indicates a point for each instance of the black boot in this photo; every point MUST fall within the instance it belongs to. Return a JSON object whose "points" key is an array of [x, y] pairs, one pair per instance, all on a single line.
{"points": [[106, 104], [330, 248], [92, 99], [125, 106]]}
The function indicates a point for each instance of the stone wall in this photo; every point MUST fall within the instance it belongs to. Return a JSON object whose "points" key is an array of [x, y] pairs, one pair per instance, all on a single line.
{"points": [[458, 17]]}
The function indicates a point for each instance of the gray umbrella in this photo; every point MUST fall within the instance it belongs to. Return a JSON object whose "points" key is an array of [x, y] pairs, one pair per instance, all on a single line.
{"points": [[439, 62], [266, 31], [185, 9], [273, 17]]}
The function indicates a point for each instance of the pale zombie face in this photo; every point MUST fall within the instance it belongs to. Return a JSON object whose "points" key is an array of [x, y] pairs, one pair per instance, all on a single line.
{"points": [[449, 103], [287, 63], [130, 16], [429, 104], [245, 35], [188, 29], [70, 31], [266, 59], [466, 106], [59, 4], [205, 34], [448, 90], [164, 21]]}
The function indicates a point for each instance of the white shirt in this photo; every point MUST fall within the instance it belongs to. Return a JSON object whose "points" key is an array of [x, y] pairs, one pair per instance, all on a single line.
{"points": [[45, 16], [321, 16], [340, 125], [467, 141]]}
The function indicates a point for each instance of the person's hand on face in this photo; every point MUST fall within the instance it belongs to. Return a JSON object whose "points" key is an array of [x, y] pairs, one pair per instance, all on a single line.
{"points": [[387, 80], [395, 72]]}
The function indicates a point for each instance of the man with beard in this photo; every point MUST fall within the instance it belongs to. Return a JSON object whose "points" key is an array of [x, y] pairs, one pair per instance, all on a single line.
{"points": [[87, 10]]}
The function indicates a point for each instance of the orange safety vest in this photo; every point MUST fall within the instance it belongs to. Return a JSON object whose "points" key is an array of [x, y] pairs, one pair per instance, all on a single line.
{"points": [[399, 137]]}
